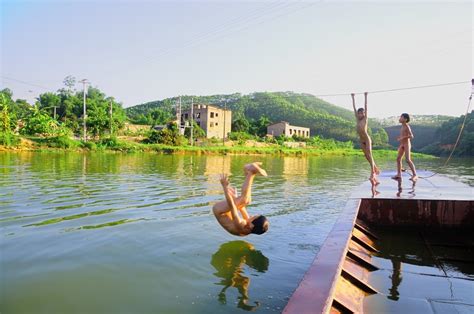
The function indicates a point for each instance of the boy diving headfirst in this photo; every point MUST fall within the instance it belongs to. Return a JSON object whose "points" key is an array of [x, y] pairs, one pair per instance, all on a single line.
{"points": [[365, 140], [227, 212]]}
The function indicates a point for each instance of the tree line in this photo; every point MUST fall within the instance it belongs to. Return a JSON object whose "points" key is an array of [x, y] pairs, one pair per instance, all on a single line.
{"points": [[254, 112], [60, 113], [445, 137]]}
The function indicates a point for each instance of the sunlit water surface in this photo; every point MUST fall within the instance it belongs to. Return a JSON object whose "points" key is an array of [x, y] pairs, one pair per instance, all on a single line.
{"points": [[134, 233]]}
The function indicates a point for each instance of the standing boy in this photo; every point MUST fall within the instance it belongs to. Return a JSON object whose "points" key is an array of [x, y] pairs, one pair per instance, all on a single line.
{"points": [[365, 141], [404, 148]]}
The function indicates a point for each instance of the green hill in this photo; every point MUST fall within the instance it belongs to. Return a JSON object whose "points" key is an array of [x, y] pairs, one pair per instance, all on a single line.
{"points": [[445, 137], [424, 128], [424, 135], [424, 120], [324, 119]]}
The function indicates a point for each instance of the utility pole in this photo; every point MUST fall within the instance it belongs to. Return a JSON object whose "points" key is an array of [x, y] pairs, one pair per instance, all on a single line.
{"points": [[225, 113], [84, 83], [178, 116], [111, 119], [192, 120], [54, 114]]}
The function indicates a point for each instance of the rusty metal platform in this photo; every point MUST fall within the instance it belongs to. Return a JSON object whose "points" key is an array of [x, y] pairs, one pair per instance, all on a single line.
{"points": [[396, 251], [435, 187]]}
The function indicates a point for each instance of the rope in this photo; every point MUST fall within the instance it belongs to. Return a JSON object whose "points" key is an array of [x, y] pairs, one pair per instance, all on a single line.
{"points": [[458, 138], [394, 89]]}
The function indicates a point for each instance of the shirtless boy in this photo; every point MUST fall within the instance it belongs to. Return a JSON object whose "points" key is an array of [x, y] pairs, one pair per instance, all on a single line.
{"points": [[404, 148], [227, 212], [365, 141]]}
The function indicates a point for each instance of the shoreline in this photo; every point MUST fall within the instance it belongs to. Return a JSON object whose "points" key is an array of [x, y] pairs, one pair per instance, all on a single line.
{"points": [[130, 147]]}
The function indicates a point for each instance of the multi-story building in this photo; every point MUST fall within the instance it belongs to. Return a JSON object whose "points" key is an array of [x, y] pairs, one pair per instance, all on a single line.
{"points": [[216, 122], [286, 129]]}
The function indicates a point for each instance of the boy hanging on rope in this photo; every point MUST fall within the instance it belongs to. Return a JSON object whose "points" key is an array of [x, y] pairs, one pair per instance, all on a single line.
{"points": [[404, 148], [227, 212], [365, 141]]}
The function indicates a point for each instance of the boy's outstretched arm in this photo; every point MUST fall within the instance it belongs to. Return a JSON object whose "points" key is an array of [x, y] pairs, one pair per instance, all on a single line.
{"points": [[230, 201], [365, 104], [244, 213], [354, 104]]}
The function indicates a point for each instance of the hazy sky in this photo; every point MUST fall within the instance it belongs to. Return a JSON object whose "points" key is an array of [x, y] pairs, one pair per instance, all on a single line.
{"points": [[138, 51]]}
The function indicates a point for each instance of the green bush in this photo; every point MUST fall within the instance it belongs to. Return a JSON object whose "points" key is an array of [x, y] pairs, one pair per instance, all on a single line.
{"points": [[89, 145], [240, 137], [168, 136], [9, 139], [40, 123], [109, 142], [62, 141]]}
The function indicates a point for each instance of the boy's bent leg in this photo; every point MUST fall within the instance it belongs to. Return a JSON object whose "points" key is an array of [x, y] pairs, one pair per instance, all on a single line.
{"points": [[414, 177], [220, 208], [246, 192], [250, 170], [368, 155]]}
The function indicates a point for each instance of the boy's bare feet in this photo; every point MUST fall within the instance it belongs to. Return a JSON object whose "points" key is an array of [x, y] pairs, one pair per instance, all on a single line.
{"points": [[255, 169]]}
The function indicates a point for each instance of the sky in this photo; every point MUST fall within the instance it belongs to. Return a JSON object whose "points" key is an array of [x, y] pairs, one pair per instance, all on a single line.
{"points": [[140, 51]]}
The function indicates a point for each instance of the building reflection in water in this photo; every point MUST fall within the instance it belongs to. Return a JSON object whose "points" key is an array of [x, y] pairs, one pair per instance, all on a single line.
{"points": [[229, 262], [295, 167], [215, 165]]}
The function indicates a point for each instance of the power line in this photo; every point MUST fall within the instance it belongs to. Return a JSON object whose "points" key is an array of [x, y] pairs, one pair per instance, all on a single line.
{"points": [[315, 95], [219, 34], [219, 28], [358, 93], [395, 89], [26, 83]]}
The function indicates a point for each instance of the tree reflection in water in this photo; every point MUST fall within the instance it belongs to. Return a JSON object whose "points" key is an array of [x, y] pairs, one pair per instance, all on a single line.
{"points": [[229, 262]]}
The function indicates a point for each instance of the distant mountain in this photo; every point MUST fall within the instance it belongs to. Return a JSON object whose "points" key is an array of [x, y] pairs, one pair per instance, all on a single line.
{"points": [[439, 139], [425, 120], [323, 118], [424, 128], [424, 135]]}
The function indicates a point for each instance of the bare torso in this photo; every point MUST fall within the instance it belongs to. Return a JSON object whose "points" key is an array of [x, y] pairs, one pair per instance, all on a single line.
{"points": [[226, 221], [404, 134], [362, 130]]}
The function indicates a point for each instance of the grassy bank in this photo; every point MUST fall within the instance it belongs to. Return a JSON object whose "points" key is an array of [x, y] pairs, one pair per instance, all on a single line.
{"points": [[113, 144]]}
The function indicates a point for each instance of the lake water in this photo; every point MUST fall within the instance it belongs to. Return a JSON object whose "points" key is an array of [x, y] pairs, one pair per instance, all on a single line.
{"points": [[134, 233]]}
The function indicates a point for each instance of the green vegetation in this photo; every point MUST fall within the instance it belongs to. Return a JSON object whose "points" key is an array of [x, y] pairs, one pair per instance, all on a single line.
{"points": [[446, 136], [254, 112], [438, 138], [59, 115], [168, 136], [419, 120], [56, 120]]}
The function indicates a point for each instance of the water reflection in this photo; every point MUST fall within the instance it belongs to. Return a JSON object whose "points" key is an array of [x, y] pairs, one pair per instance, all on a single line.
{"points": [[229, 262], [411, 191], [374, 185], [294, 167], [216, 165], [396, 278]]}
